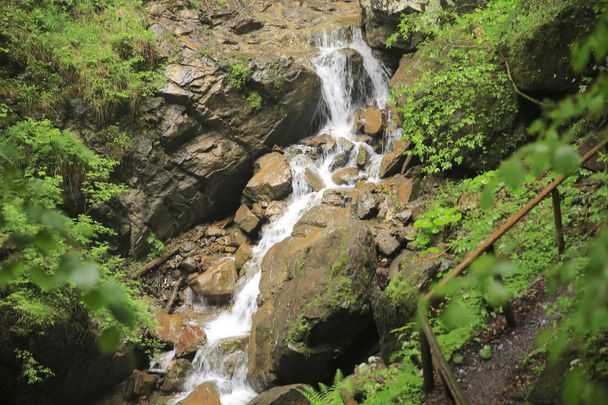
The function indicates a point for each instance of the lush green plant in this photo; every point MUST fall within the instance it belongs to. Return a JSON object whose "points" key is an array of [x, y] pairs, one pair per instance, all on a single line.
{"points": [[255, 101], [461, 97], [52, 263], [326, 395], [432, 222], [100, 51], [32, 371], [238, 75]]}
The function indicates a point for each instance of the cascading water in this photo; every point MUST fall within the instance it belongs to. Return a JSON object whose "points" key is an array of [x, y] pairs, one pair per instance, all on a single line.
{"points": [[344, 91]]}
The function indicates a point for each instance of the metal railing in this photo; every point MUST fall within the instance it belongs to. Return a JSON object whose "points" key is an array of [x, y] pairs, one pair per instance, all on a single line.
{"points": [[432, 356]]}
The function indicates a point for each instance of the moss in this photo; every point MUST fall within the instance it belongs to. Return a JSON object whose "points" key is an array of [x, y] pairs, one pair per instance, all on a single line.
{"points": [[400, 288], [339, 267]]}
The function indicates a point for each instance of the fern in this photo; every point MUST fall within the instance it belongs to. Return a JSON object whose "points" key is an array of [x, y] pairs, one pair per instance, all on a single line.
{"points": [[327, 395]]}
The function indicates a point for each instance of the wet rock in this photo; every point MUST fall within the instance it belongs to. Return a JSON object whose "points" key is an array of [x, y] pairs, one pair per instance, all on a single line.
{"points": [[345, 145], [140, 384], [362, 156], [335, 197], [365, 206], [392, 161], [320, 216], [386, 243], [232, 345], [272, 179], [205, 393], [372, 121], [314, 305], [235, 238], [170, 326], [242, 255], [348, 175], [217, 283], [246, 219], [284, 395], [340, 160], [190, 339], [274, 210], [177, 371], [313, 180], [323, 143]]}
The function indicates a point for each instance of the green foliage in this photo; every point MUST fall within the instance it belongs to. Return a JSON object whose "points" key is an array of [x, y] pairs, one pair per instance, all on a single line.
{"points": [[326, 395], [156, 246], [32, 371], [485, 352], [461, 97], [255, 101], [100, 51], [238, 75], [432, 222], [53, 263]]}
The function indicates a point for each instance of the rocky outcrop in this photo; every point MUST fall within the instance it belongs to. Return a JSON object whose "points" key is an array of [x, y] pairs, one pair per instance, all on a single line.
{"points": [[231, 93], [314, 310], [272, 179]]}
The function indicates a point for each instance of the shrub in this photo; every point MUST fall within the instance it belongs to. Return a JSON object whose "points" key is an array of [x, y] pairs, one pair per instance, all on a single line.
{"points": [[238, 75]]}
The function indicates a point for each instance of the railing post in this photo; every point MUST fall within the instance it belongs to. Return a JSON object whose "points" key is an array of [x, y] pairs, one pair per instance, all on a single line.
{"points": [[507, 309], [427, 363], [557, 215]]}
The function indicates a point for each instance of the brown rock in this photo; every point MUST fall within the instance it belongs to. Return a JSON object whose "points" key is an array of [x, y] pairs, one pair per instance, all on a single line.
{"points": [[246, 219], [242, 255], [391, 162], [140, 384], [217, 283], [177, 371], [372, 121], [204, 394], [362, 156], [324, 143], [170, 326], [190, 339], [272, 178], [347, 175], [313, 180]]}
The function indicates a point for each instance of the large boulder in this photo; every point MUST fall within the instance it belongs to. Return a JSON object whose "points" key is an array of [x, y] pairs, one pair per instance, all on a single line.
{"points": [[218, 283], [539, 56], [315, 313], [272, 179]]}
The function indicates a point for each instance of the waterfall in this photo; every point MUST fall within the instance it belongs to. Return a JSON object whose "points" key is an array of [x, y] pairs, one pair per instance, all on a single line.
{"points": [[343, 92]]}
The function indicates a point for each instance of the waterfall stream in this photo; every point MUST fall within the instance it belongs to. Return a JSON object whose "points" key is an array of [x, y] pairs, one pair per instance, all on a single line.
{"points": [[345, 90]]}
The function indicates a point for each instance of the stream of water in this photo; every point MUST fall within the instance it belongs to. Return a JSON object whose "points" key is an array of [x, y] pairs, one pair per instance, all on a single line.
{"points": [[345, 89]]}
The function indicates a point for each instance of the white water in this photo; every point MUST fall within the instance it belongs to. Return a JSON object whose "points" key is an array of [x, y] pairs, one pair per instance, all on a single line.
{"points": [[339, 87]]}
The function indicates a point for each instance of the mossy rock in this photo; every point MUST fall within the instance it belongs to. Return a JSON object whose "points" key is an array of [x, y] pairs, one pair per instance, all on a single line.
{"points": [[538, 44]]}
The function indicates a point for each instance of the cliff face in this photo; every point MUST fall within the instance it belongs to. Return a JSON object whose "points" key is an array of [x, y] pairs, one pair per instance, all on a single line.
{"points": [[238, 83]]}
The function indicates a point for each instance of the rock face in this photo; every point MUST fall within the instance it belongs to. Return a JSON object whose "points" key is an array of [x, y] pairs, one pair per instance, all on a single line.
{"points": [[201, 134], [217, 283], [314, 304], [272, 179]]}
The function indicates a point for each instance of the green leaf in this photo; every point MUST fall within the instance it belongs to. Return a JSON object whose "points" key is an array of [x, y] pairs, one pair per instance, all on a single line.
{"points": [[566, 160], [513, 173], [109, 339], [85, 275], [456, 315]]}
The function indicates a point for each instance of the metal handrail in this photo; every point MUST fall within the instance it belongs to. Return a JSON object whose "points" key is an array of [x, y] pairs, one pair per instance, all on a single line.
{"points": [[429, 347]]}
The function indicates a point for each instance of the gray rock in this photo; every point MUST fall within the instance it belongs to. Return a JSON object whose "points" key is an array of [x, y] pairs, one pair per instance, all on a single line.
{"points": [[386, 243], [283, 395], [365, 206]]}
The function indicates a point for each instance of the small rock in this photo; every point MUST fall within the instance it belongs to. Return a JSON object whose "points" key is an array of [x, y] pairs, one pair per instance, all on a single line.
{"points": [[365, 206], [177, 371], [362, 156], [242, 255], [386, 243], [340, 160], [217, 283], [313, 180], [334, 197], [392, 161], [274, 209], [404, 216], [348, 175], [345, 145], [189, 264], [372, 121], [190, 339], [205, 393], [324, 143], [272, 178], [140, 384], [214, 230], [246, 219]]}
